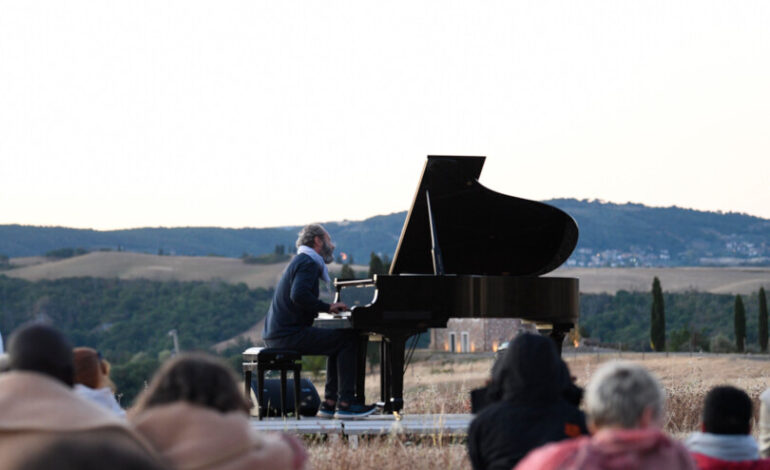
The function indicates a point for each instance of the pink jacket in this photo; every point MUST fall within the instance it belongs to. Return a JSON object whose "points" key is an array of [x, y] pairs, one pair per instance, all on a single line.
{"points": [[710, 463], [612, 449]]}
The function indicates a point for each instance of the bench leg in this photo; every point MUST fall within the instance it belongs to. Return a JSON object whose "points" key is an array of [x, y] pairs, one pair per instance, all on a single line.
{"points": [[247, 384], [283, 392], [296, 390], [261, 392]]}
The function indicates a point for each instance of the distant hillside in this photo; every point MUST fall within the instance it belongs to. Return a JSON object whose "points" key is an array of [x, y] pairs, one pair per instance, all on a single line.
{"points": [[133, 266], [610, 235]]}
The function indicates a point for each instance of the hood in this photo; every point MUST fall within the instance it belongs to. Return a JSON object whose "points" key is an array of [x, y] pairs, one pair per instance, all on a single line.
{"points": [[48, 405], [730, 447], [530, 371], [192, 436], [631, 449]]}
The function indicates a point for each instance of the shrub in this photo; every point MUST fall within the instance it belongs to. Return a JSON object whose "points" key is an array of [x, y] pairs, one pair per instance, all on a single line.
{"points": [[721, 344]]}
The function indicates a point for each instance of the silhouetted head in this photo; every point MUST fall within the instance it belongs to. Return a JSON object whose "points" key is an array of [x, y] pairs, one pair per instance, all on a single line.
{"points": [[530, 371], [43, 349], [727, 410], [194, 378]]}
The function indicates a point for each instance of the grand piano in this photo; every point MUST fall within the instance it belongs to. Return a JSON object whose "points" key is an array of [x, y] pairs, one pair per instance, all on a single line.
{"points": [[465, 251]]}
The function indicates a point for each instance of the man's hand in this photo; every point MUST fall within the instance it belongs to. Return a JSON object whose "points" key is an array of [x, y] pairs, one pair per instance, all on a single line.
{"points": [[337, 307]]}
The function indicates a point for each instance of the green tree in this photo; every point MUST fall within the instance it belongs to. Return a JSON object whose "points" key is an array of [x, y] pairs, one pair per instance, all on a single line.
{"points": [[376, 266], [347, 272], [762, 320], [740, 324], [657, 318]]}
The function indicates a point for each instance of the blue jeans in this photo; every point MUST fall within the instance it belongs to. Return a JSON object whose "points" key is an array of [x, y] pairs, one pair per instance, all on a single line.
{"points": [[340, 346]]}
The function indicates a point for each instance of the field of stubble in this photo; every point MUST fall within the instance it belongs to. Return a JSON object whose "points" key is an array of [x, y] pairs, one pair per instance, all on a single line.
{"points": [[441, 383]]}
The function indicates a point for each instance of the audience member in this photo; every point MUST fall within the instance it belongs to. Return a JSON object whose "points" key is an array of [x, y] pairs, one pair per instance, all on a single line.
{"points": [[726, 442], [4, 363], [195, 415], [625, 406], [92, 379], [38, 402], [528, 408], [77, 453]]}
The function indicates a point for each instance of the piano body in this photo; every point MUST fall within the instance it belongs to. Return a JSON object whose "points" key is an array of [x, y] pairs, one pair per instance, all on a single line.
{"points": [[464, 251]]}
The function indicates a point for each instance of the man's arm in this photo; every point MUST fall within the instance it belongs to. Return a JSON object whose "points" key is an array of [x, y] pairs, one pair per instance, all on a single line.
{"points": [[303, 286]]}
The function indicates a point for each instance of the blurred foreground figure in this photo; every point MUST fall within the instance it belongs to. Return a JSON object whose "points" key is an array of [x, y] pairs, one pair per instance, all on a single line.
{"points": [[625, 405], [92, 380], [38, 403], [196, 417], [764, 424], [528, 407], [89, 454], [726, 441]]}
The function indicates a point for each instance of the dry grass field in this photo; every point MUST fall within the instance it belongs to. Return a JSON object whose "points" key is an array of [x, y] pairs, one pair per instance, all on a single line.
{"points": [[124, 265], [440, 383], [734, 280]]}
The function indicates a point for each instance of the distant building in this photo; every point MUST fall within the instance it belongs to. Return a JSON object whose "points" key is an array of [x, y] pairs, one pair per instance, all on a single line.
{"points": [[468, 335]]}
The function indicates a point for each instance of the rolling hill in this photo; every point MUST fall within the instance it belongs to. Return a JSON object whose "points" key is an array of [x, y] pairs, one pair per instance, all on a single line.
{"points": [[127, 266], [611, 235]]}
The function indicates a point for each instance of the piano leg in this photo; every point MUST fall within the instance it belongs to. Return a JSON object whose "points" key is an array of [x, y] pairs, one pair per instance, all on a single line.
{"points": [[396, 372], [363, 342], [558, 332], [384, 373]]}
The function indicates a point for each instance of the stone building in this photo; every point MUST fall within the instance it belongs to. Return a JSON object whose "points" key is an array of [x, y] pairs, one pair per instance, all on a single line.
{"points": [[467, 335]]}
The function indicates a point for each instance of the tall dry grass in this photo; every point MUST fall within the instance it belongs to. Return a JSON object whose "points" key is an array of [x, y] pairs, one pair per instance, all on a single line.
{"points": [[441, 384], [392, 452]]}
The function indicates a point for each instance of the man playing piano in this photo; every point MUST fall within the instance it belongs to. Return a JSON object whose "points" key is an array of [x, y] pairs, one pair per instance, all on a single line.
{"points": [[290, 318]]}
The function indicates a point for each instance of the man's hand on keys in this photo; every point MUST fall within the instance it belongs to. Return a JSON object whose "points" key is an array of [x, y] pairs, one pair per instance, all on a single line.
{"points": [[338, 307]]}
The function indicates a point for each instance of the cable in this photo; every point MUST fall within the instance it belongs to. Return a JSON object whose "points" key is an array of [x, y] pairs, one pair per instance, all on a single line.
{"points": [[409, 354]]}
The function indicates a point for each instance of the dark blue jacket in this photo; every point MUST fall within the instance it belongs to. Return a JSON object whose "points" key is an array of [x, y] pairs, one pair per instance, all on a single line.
{"points": [[295, 303]]}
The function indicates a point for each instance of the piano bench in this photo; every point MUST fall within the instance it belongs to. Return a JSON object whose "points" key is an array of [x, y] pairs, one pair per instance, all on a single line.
{"points": [[266, 359]]}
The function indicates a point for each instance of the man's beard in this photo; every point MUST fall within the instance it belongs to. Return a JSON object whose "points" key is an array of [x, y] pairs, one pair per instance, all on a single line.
{"points": [[326, 253]]}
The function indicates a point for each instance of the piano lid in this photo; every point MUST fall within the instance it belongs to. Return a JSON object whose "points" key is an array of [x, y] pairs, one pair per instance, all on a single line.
{"points": [[477, 230]]}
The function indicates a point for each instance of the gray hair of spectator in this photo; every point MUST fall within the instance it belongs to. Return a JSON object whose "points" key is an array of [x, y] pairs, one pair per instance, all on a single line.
{"points": [[619, 393], [308, 234]]}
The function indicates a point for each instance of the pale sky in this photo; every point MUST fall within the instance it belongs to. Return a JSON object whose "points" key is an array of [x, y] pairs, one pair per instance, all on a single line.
{"points": [[119, 114]]}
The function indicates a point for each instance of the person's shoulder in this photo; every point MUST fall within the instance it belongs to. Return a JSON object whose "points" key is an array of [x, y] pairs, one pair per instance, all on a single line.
{"points": [[705, 462], [551, 456]]}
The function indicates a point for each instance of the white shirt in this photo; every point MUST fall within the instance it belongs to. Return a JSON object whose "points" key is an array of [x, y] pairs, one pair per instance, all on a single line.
{"points": [[101, 396]]}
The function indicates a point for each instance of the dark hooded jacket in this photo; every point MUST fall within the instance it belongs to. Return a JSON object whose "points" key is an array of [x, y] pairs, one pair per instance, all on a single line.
{"points": [[528, 409]]}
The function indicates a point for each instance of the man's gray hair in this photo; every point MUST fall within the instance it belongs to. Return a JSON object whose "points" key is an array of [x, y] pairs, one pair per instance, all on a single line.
{"points": [[308, 234], [619, 392]]}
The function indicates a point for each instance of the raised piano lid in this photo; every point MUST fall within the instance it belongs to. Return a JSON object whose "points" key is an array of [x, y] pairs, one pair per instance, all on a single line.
{"points": [[480, 231]]}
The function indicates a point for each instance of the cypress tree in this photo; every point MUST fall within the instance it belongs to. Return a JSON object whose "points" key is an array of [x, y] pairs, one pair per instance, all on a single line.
{"points": [[347, 272], [657, 318], [740, 324], [762, 320], [376, 265]]}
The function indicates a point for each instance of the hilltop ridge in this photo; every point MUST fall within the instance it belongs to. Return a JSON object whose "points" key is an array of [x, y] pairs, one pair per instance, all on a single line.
{"points": [[611, 235]]}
